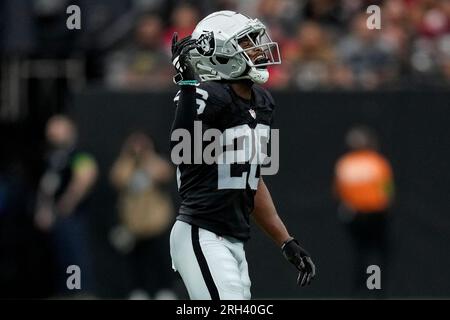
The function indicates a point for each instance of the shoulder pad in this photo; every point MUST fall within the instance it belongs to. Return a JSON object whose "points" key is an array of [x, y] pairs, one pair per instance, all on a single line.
{"points": [[218, 93]]}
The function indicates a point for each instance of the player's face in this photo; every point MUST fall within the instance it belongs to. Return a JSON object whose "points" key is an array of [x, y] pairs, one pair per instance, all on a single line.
{"points": [[255, 54]]}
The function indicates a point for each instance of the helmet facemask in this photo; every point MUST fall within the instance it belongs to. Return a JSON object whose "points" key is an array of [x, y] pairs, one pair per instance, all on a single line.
{"points": [[258, 43]]}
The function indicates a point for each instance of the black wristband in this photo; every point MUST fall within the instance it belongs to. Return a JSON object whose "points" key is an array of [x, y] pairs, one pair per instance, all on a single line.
{"points": [[287, 241]]}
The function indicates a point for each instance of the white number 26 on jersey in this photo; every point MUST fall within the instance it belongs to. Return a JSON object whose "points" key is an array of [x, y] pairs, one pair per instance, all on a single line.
{"points": [[252, 141]]}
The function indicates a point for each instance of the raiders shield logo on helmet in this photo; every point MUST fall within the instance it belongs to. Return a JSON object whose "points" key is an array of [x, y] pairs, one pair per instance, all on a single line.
{"points": [[206, 44]]}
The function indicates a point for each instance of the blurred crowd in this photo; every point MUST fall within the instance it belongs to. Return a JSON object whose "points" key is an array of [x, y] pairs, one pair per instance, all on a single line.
{"points": [[325, 44]]}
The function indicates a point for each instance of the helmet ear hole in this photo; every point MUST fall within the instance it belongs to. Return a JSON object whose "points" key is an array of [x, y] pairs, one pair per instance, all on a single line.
{"points": [[222, 60]]}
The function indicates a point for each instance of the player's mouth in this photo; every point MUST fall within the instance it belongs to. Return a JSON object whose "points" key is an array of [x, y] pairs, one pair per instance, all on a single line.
{"points": [[260, 59]]}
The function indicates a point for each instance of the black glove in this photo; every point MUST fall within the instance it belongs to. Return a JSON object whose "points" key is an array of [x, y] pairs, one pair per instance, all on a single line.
{"points": [[301, 259], [180, 58]]}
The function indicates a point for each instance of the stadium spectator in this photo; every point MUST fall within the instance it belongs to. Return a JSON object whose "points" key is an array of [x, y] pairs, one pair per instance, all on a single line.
{"points": [[444, 57], [183, 20], [142, 63], [62, 202], [430, 24], [145, 213], [314, 57], [431, 17], [364, 187], [395, 35], [366, 54]]}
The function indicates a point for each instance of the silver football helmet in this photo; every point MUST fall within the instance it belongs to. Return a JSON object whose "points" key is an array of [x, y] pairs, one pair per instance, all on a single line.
{"points": [[218, 54]]}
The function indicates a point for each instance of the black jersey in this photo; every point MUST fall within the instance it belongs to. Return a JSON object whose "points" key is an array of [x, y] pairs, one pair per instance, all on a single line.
{"points": [[219, 197]]}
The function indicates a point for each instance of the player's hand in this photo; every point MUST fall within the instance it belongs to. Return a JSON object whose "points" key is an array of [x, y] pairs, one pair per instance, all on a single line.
{"points": [[180, 58], [301, 259]]}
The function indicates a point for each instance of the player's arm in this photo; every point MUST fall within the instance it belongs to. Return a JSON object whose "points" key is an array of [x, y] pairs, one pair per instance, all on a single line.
{"points": [[185, 113], [186, 107], [267, 218]]}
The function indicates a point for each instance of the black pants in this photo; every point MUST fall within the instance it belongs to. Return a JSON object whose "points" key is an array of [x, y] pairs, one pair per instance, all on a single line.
{"points": [[369, 236]]}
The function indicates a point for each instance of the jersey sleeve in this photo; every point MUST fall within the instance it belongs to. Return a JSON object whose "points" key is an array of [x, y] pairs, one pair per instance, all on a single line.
{"points": [[209, 101], [185, 113], [217, 100], [205, 103]]}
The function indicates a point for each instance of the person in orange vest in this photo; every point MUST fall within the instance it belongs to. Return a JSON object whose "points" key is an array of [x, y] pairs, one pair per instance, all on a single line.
{"points": [[364, 186]]}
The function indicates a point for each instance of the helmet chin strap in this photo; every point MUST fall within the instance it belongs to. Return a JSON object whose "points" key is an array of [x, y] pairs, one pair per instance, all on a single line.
{"points": [[258, 76]]}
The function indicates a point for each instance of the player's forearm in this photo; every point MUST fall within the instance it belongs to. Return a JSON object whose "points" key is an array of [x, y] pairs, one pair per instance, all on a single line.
{"points": [[266, 216]]}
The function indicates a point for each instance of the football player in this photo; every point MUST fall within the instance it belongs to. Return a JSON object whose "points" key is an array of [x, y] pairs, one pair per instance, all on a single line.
{"points": [[230, 53]]}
